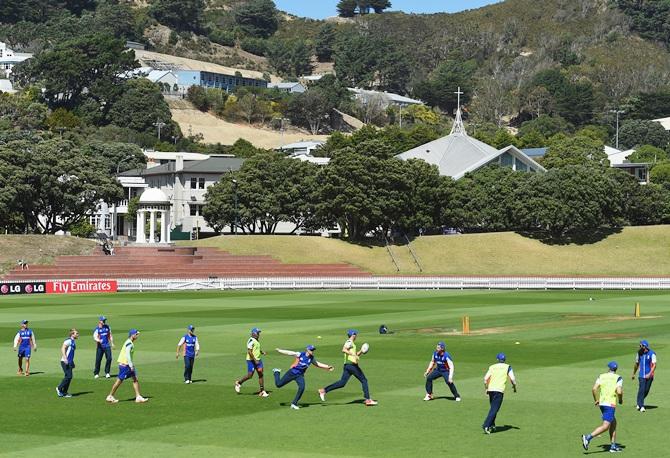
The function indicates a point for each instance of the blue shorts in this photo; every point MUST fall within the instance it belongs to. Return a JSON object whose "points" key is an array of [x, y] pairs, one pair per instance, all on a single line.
{"points": [[24, 352], [251, 367], [126, 372], [608, 413]]}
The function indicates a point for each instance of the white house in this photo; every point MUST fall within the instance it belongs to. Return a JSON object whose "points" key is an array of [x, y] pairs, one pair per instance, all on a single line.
{"points": [[9, 58], [290, 88], [665, 122], [458, 153], [297, 148]]}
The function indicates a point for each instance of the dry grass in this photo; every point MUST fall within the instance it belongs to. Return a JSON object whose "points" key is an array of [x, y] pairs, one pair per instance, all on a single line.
{"points": [[215, 130], [636, 251], [39, 249]]}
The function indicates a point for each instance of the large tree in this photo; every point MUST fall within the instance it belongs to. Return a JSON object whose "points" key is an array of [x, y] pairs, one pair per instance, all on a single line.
{"points": [[179, 14], [140, 106], [439, 89], [291, 58], [53, 184], [576, 150], [94, 63], [325, 42], [636, 133], [258, 18]]}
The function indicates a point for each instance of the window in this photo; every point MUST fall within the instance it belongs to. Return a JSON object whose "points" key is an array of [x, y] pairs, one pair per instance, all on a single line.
{"points": [[194, 210], [201, 183], [506, 160], [194, 183], [520, 166]]}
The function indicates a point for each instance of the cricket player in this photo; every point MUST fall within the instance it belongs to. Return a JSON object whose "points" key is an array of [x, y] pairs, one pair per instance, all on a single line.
{"points": [[606, 391], [495, 382], [441, 365], [25, 341], [254, 363], [189, 342], [645, 362], [67, 363], [104, 342], [351, 367], [127, 368], [297, 371]]}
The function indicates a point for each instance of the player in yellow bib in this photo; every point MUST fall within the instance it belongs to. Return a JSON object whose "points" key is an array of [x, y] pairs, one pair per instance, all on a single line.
{"points": [[607, 390], [254, 363], [127, 368], [495, 382], [351, 367]]}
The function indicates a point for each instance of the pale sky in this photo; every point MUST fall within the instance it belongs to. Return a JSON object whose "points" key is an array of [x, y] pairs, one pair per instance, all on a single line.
{"points": [[320, 9]]}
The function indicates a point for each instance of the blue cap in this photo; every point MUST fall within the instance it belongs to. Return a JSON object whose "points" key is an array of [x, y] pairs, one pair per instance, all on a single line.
{"points": [[613, 365], [102, 318], [644, 343], [132, 332], [255, 331], [190, 327], [441, 344], [351, 332], [501, 357], [24, 322], [311, 347]]}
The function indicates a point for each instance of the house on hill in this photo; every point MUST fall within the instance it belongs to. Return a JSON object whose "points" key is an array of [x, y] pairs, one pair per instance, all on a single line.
{"points": [[458, 153], [289, 88], [9, 58]]}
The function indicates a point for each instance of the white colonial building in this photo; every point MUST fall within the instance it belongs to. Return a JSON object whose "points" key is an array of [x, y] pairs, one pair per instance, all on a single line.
{"points": [[9, 58]]}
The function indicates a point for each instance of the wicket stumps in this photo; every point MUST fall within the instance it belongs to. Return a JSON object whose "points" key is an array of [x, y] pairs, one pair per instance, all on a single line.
{"points": [[466, 324], [637, 310]]}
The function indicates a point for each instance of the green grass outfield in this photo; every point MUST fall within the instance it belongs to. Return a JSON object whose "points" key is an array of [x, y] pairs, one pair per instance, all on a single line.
{"points": [[565, 342]]}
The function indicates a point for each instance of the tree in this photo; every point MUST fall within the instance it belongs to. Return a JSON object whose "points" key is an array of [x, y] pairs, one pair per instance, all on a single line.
{"points": [[290, 57], [140, 106], [61, 119], [571, 200], [257, 18], [325, 42], [118, 157], [197, 95], [660, 174], [546, 125], [636, 132], [650, 105], [53, 184], [347, 8], [179, 14], [311, 109], [439, 90], [92, 62], [578, 150], [649, 154], [379, 5]]}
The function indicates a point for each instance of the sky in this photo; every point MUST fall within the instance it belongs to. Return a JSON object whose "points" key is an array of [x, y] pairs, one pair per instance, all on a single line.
{"points": [[320, 9]]}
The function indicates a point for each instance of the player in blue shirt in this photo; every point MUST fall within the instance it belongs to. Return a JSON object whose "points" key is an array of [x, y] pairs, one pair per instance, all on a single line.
{"points": [[104, 342], [25, 341], [441, 365], [191, 349], [67, 363], [297, 371], [645, 361]]}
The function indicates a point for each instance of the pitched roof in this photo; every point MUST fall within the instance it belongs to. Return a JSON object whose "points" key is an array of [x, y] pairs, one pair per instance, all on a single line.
{"points": [[458, 153], [213, 165]]}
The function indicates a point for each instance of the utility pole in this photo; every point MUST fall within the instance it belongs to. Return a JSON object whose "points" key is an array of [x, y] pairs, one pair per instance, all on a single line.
{"points": [[159, 124], [235, 200], [617, 112]]}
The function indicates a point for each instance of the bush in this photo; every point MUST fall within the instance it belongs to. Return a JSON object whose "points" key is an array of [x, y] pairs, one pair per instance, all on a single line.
{"points": [[222, 37], [256, 46], [82, 229]]}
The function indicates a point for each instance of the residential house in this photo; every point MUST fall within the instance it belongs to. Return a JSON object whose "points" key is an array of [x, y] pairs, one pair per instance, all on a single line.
{"points": [[289, 88]]}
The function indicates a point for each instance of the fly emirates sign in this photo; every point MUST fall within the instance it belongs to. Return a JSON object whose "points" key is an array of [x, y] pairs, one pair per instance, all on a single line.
{"points": [[81, 286]]}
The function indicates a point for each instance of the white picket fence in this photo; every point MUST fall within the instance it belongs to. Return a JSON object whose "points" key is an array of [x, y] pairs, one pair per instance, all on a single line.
{"points": [[397, 283]]}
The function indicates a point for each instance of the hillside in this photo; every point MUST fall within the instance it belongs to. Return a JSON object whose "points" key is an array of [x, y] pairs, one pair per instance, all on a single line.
{"points": [[635, 251], [216, 130], [39, 249]]}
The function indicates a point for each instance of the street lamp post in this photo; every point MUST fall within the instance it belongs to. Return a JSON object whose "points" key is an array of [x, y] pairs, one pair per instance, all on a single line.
{"points": [[159, 125], [617, 112]]}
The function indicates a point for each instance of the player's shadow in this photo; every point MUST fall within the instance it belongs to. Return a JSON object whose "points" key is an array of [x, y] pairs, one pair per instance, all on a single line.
{"points": [[81, 393], [35, 373], [133, 399], [604, 448], [646, 407], [202, 380], [503, 428], [448, 398], [302, 405]]}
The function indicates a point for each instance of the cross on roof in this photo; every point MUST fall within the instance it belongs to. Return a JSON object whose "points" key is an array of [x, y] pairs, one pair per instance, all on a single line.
{"points": [[458, 127]]}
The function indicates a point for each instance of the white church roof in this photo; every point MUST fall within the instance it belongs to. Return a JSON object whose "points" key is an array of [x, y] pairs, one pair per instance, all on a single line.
{"points": [[458, 153]]}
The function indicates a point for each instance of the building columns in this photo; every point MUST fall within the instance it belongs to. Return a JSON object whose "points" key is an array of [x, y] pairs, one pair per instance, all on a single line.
{"points": [[164, 228], [152, 226], [139, 237]]}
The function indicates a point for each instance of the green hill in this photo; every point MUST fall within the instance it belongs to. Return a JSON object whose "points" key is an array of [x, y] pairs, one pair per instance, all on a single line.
{"points": [[636, 251], [39, 249]]}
